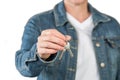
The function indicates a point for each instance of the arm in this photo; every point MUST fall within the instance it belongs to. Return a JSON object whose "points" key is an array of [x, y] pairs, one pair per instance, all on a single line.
{"points": [[26, 60], [46, 43]]}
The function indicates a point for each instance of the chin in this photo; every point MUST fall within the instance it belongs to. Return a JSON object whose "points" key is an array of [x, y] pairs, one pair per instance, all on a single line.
{"points": [[78, 2]]}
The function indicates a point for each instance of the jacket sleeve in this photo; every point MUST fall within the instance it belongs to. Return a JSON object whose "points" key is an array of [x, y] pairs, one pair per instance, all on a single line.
{"points": [[26, 61], [118, 71], [118, 76]]}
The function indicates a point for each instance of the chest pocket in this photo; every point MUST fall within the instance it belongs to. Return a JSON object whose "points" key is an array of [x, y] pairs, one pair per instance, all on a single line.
{"points": [[114, 42]]}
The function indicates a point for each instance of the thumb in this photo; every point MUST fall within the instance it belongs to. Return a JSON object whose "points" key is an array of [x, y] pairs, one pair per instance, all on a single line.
{"points": [[68, 38]]}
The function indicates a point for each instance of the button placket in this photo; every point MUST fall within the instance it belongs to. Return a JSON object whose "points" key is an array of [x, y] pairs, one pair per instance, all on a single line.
{"points": [[102, 64], [97, 44]]}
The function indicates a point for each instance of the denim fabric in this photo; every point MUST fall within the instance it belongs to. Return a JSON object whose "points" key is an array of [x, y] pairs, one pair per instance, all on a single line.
{"points": [[105, 37]]}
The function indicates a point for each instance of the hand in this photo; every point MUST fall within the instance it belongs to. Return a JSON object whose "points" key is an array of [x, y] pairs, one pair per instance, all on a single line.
{"points": [[50, 41]]}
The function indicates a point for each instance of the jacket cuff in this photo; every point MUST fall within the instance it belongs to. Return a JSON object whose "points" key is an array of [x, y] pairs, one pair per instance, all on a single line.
{"points": [[32, 56], [51, 59]]}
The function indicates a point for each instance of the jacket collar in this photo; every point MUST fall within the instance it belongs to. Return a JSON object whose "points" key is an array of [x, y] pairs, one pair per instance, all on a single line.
{"points": [[60, 14], [97, 16], [61, 19]]}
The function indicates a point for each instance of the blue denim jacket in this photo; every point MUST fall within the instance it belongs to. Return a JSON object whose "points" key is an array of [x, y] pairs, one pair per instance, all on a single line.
{"points": [[105, 37]]}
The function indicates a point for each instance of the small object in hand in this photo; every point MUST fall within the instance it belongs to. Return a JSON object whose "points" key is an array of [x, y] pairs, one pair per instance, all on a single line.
{"points": [[67, 47]]}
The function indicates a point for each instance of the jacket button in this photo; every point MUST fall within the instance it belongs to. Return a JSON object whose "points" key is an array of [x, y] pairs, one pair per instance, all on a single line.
{"points": [[97, 44], [102, 64]]}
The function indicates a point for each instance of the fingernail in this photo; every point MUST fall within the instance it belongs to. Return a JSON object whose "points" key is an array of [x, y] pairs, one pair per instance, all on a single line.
{"points": [[68, 38], [61, 48]]}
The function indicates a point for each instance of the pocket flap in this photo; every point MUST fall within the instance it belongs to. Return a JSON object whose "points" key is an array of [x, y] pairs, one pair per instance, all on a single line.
{"points": [[115, 42]]}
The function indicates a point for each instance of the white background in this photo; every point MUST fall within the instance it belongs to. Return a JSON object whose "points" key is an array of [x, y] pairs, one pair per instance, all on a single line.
{"points": [[13, 16]]}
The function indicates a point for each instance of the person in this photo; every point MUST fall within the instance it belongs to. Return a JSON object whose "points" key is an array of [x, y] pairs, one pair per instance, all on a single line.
{"points": [[73, 41]]}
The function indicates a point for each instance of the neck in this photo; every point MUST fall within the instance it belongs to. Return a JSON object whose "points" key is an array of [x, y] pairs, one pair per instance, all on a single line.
{"points": [[78, 11]]}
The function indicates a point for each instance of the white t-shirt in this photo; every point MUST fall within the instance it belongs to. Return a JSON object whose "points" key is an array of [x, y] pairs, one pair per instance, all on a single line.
{"points": [[86, 61]]}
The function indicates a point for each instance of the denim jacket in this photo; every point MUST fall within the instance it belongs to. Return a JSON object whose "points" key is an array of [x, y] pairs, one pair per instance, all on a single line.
{"points": [[105, 37]]}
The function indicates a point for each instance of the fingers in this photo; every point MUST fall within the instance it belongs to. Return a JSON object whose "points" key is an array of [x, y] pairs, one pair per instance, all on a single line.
{"points": [[50, 41], [53, 32], [68, 38], [49, 45], [45, 51]]}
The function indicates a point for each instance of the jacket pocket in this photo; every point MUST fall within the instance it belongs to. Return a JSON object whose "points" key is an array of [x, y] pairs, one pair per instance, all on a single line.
{"points": [[113, 42]]}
